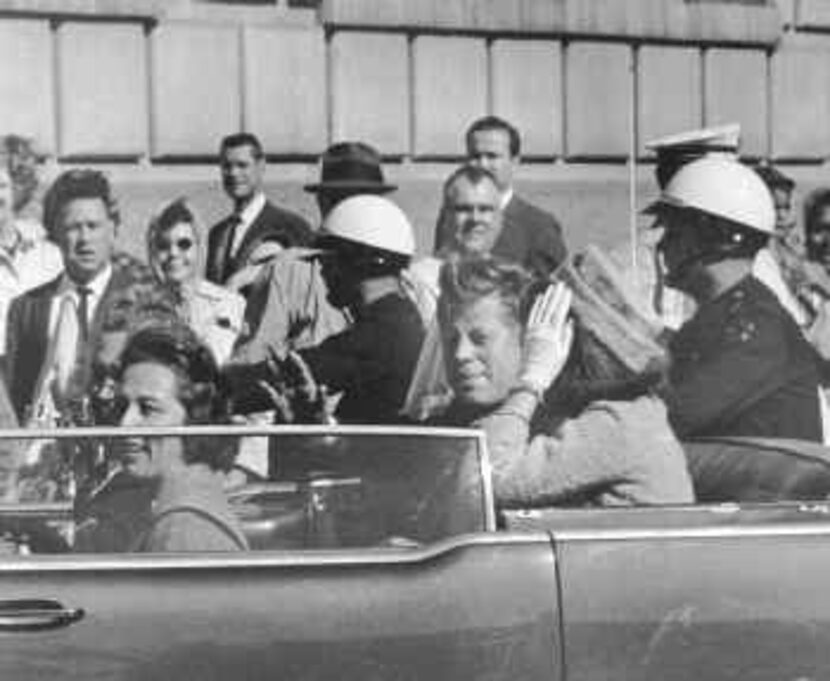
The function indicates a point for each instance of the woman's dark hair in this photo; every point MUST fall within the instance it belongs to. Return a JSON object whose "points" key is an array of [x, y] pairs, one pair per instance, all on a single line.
{"points": [[200, 386], [593, 373]]}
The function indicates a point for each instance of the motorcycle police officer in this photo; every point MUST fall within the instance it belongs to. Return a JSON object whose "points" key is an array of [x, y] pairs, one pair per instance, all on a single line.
{"points": [[740, 365]]}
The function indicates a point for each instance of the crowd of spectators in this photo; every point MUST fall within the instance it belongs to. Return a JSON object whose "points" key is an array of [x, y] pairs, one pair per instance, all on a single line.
{"points": [[585, 383]]}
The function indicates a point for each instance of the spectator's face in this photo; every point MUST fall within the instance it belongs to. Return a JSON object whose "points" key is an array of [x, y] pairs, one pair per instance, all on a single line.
{"points": [[175, 253], [784, 223], [6, 201], [490, 149], [482, 351], [475, 214], [818, 239], [149, 394], [242, 172], [86, 236]]}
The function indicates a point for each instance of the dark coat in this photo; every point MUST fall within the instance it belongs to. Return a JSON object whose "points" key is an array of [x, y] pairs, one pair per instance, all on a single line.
{"points": [[529, 236], [28, 338], [372, 361], [272, 224], [741, 367]]}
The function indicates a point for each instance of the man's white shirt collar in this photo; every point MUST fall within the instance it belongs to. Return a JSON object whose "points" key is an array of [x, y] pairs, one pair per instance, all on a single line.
{"points": [[506, 198], [97, 285]]}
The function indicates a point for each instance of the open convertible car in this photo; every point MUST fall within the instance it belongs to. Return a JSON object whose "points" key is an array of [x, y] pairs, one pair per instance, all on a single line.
{"points": [[377, 553]]}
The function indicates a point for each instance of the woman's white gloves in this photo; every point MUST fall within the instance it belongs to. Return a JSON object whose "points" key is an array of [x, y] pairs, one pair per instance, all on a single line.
{"points": [[547, 340]]}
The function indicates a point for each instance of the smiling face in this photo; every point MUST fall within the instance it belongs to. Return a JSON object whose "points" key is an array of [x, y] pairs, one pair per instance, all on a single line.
{"points": [[149, 393], [242, 172], [475, 215], [86, 236], [174, 253], [482, 351]]}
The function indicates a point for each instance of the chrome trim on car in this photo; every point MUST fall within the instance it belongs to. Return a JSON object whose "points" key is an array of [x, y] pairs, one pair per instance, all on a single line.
{"points": [[307, 558], [231, 430], [806, 529]]}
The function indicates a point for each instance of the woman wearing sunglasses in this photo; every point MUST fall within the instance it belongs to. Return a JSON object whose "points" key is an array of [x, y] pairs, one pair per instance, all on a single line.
{"points": [[175, 256]]}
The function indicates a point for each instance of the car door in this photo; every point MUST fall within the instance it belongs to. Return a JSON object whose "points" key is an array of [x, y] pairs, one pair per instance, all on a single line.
{"points": [[476, 608], [475, 605]]}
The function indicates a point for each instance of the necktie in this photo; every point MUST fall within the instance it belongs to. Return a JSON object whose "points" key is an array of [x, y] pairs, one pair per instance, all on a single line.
{"points": [[83, 313], [235, 221], [66, 340]]}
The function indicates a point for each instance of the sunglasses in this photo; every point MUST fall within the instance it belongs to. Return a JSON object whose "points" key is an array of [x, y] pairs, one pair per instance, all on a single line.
{"points": [[183, 244]]}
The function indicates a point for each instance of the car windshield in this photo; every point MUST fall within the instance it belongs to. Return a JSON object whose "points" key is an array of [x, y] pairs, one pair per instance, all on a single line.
{"points": [[288, 488]]}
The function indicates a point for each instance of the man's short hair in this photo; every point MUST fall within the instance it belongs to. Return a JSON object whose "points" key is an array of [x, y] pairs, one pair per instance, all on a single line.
{"points": [[464, 280], [475, 175], [495, 123], [242, 139], [79, 183]]}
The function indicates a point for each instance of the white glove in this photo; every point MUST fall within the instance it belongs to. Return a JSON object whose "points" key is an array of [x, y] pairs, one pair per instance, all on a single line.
{"points": [[547, 340]]}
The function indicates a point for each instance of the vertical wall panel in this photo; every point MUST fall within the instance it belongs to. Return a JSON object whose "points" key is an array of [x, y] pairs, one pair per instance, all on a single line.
{"points": [[813, 14], [27, 103], [670, 91], [450, 91], [196, 87], [599, 92], [527, 90], [801, 98], [736, 90], [371, 90], [102, 72], [285, 88]]}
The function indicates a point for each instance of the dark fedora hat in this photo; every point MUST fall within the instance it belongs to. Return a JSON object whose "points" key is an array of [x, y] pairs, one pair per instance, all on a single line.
{"points": [[353, 166]]}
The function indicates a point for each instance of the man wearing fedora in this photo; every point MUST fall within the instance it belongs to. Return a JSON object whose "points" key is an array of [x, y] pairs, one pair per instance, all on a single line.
{"points": [[287, 303], [348, 169]]}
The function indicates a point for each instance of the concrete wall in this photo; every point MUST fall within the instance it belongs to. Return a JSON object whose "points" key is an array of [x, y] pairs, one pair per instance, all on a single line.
{"points": [[152, 85]]}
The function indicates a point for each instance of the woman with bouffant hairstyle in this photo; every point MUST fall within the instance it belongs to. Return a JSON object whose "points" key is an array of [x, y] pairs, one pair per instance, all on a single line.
{"points": [[170, 378]]}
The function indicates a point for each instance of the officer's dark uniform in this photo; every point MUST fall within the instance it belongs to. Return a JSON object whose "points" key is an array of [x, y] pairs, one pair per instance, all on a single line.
{"points": [[741, 367], [372, 361]]}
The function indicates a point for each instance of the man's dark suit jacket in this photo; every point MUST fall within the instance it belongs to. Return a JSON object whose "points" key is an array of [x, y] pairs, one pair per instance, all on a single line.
{"points": [[529, 236], [27, 340], [272, 224]]}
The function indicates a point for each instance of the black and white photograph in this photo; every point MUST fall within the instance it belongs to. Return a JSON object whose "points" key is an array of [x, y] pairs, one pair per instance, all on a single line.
{"points": [[414, 340]]}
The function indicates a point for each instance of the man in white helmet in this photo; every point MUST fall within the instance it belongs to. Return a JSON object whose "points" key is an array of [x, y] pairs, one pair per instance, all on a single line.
{"points": [[365, 243], [740, 365]]}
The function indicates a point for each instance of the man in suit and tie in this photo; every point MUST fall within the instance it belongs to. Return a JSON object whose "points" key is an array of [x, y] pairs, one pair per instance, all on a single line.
{"points": [[53, 329], [530, 235], [237, 241]]}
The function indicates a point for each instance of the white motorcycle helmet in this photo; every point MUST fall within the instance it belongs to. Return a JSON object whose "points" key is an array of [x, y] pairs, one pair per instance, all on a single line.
{"points": [[723, 188], [373, 222]]}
